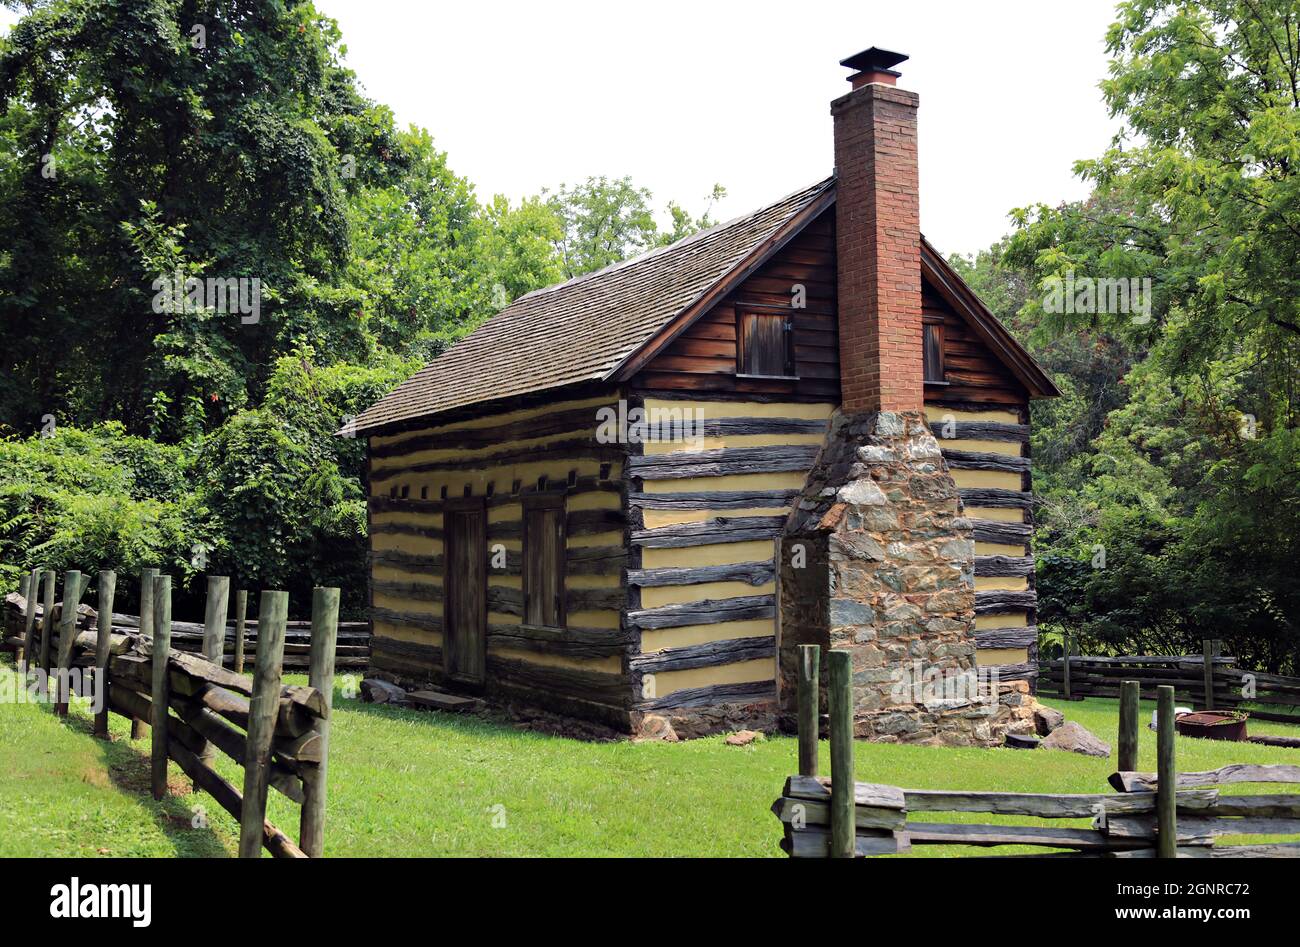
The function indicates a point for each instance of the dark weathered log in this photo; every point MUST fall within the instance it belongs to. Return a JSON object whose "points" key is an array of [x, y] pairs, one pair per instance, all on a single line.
{"points": [[719, 529], [996, 531], [1233, 773], [724, 462], [982, 431], [570, 641], [1021, 637], [997, 498], [713, 499], [748, 693], [1001, 601], [669, 431], [705, 654], [705, 612], [405, 658], [582, 421], [583, 448], [595, 686], [261, 722], [423, 621], [1004, 565], [508, 601], [983, 460], [751, 573]]}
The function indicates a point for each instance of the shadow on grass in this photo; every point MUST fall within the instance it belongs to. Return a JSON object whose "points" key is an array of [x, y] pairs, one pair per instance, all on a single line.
{"points": [[129, 769]]}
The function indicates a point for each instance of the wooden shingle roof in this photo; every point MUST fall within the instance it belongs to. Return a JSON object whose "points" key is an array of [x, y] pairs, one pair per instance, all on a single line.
{"points": [[583, 330]]}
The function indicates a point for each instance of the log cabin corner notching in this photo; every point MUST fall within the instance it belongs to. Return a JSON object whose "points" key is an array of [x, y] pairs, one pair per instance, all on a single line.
{"points": [[578, 506]]}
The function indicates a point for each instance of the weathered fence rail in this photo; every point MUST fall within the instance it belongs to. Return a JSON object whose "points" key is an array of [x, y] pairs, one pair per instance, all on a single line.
{"points": [[1271, 697], [351, 654], [194, 706], [1162, 814]]}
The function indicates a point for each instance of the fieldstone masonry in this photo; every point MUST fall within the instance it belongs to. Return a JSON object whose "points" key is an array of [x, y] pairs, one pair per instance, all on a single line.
{"points": [[878, 559]]}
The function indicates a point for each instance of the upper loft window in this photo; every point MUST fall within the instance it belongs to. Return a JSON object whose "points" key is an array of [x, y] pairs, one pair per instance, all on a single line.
{"points": [[763, 345], [544, 561], [933, 353]]}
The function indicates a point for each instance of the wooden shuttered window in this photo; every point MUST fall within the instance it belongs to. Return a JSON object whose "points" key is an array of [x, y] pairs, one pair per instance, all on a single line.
{"points": [[544, 562], [763, 345], [933, 352]]}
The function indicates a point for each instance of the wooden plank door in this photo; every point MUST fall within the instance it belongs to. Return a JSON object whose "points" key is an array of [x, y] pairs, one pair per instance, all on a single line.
{"points": [[465, 581]]}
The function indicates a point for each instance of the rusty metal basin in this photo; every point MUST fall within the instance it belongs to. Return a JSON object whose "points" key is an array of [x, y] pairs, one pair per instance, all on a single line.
{"points": [[1213, 725]]}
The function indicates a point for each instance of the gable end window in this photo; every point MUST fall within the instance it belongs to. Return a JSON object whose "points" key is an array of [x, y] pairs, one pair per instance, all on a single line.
{"points": [[933, 353], [763, 345], [544, 562]]}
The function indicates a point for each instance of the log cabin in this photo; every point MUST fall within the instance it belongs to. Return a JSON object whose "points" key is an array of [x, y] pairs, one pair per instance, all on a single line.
{"points": [[600, 502]]}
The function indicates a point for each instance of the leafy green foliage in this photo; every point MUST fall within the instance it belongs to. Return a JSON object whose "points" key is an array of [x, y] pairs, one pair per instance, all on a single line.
{"points": [[168, 140]]}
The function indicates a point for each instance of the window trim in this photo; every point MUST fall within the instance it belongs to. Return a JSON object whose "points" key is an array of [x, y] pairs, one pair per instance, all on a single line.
{"points": [[553, 501], [768, 312]]}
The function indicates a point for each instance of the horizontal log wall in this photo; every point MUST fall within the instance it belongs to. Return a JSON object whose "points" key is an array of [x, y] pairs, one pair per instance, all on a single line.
{"points": [[986, 447], [704, 517], [504, 459]]}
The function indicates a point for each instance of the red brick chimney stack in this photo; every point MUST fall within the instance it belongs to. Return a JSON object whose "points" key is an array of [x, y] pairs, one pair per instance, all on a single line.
{"points": [[878, 239]]}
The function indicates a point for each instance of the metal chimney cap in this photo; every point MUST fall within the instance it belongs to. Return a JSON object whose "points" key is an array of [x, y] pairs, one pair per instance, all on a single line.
{"points": [[875, 59]]}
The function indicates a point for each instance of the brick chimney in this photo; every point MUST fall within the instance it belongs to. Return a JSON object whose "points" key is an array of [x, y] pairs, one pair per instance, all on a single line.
{"points": [[877, 555], [878, 238]]}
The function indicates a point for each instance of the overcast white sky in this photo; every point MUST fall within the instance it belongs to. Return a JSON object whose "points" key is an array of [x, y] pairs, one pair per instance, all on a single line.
{"points": [[682, 94]]}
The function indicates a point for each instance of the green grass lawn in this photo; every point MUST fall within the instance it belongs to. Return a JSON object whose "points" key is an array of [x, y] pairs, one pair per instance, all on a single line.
{"points": [[405, 782]]}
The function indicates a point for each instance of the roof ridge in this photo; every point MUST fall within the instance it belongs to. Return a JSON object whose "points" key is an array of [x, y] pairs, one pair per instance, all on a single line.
{"points": [[676, 244]]}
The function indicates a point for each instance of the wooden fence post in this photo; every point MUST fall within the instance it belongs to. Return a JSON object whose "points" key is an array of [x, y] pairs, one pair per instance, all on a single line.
{"points": [[103, 644], [843, 780], [25, 590], [72, 589], [262, 710], [147, 576], [47, 610], [162, 641], [324, 642], [809, 698], [1129, 691], [34, 588], [1166, 775], [241, 615], [1209, 651], [1065, 667], [214, 640]]}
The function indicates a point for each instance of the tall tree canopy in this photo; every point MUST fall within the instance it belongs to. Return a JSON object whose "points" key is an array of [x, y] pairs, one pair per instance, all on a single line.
{"points": [[1178, 515], [148, 144]]}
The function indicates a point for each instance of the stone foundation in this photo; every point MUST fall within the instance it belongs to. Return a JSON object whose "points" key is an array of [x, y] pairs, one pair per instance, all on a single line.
{"points": [[878, 560]]}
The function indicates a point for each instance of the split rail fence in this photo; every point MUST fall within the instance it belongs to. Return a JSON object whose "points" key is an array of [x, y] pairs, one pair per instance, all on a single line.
{"points": [[1209, 681], [193, 706], [1164, 814]]}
